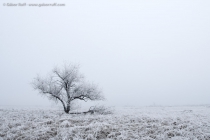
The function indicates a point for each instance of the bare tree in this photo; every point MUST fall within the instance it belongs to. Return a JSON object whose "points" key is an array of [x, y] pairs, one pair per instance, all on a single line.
{"points": [[66, 85]]}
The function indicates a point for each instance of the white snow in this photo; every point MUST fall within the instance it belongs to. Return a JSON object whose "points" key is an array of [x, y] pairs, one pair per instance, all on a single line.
{"points": [[159, 123]]}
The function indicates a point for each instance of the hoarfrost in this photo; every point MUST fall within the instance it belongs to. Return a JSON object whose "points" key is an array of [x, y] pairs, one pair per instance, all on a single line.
{"points": [[160, 123]]}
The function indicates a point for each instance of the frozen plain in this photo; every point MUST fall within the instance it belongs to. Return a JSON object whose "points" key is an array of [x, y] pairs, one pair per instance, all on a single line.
{"points": [[127, 123]]}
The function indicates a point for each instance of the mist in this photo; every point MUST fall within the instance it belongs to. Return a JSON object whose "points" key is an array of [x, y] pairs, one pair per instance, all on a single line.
{"points": [[139, 53]]}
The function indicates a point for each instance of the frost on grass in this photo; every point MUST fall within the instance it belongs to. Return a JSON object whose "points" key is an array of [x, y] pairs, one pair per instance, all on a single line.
{"points": [[146, 123]]}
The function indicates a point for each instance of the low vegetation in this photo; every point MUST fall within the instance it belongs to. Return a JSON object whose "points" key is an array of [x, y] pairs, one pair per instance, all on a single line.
{"points": [[146, 123]]}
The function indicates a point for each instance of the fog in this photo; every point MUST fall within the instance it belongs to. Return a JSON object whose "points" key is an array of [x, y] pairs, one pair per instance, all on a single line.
{"points": [[140, 53]]}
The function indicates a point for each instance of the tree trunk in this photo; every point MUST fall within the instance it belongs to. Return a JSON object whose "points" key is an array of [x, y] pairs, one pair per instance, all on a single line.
{"points": [[64, 108], [67, 109], [68, 105]]}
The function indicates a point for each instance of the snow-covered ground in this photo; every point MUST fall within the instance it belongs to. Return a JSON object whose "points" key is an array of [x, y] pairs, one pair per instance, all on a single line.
{"points": [[143, 123]]}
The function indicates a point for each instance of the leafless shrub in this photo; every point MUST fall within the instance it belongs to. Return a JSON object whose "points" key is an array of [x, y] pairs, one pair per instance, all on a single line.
{"points": [[101, 110]]}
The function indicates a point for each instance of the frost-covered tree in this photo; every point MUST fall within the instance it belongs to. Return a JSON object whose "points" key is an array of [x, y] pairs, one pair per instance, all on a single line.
{"points": [[67, 85]]}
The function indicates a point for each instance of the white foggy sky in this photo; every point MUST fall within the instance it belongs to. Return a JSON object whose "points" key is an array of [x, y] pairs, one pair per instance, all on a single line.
{"points": [[139, 52]]}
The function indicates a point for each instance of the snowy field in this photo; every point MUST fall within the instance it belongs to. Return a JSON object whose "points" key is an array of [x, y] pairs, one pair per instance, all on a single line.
{"points": [[143, 123]]}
